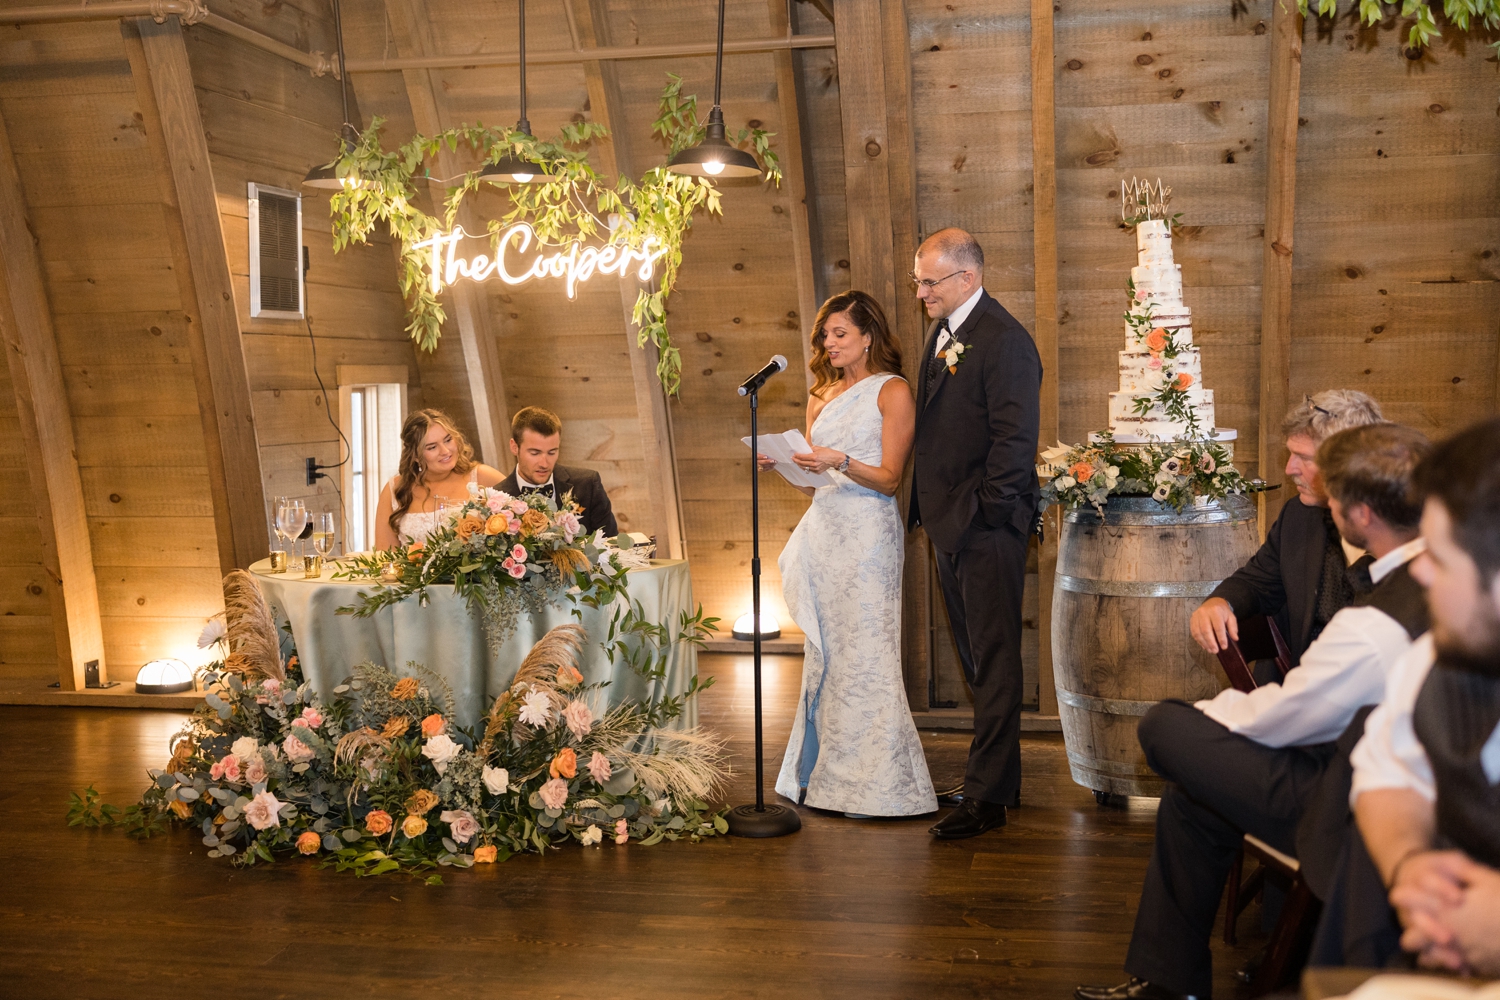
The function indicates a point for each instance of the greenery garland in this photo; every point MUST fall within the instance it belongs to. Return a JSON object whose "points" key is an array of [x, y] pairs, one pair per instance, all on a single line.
{"points": [[381, 188], [1465, 15]]}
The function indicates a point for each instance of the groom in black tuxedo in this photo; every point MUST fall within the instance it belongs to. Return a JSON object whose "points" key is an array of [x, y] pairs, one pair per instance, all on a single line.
{"points": [[974, 489], [536, 440]]}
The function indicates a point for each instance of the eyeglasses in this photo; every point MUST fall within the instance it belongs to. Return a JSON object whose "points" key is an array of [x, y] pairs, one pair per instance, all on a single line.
{"points": [[1315, 406], [931, 283]]}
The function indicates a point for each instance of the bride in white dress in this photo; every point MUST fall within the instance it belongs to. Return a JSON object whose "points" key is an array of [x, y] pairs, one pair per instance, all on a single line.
{"points": [[437, 464], [854, 747]]}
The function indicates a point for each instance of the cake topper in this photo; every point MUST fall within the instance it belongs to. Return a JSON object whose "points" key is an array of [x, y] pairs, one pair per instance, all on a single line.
{"points": [[1141, 200]]}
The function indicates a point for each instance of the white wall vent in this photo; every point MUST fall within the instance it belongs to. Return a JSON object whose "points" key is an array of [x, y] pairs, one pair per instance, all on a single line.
{"points": [[276, 289]]}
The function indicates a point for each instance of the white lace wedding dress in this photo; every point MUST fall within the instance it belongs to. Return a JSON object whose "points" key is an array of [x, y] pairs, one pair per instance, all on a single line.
{"points": [[854, 746], [416, 525]]}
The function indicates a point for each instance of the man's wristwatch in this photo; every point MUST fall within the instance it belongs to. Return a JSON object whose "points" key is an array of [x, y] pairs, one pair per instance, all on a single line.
{"points": [[844, 465]]}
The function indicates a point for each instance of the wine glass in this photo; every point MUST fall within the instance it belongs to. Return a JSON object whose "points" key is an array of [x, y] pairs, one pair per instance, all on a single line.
{"points": [[292, 520], [278, 522], [323, 534]]}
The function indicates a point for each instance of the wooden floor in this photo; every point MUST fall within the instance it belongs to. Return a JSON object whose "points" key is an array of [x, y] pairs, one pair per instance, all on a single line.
{"points": [[844, 908]]}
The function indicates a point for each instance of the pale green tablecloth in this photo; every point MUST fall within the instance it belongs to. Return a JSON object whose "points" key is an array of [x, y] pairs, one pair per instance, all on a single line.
{"points": [[447, 640]]}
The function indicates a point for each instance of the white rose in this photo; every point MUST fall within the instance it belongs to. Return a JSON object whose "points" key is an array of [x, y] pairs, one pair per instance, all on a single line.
{"points": [[440, 750], [496, 779], [1065, 482], [1112, 471], [591, 836], [244, 748]]}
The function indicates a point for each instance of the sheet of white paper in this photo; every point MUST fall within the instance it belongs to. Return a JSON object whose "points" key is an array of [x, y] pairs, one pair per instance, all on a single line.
{"points": [[782, 447]]}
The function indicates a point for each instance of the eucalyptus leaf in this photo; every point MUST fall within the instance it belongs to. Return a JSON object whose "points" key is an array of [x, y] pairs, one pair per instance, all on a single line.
{"points": [[331, 842], [211, 841], [187, 794], [226, 849], [352, 835], [450, 845]]}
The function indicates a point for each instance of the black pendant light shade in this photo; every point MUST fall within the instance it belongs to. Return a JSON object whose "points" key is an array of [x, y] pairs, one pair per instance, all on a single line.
{"points": [[326, 176], [714, 156], [513, 168]]}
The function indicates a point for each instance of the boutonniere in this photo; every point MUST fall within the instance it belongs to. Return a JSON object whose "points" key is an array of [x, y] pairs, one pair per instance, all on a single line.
{"points": [[953, 354]]}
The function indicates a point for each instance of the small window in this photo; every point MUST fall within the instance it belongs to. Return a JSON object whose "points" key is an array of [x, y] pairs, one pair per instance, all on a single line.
{"points": [[275, 253], [373, 407]]}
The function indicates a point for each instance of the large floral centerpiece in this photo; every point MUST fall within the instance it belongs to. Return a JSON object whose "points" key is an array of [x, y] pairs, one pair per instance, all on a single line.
{"points": [[1177, 473], [378, 777]]}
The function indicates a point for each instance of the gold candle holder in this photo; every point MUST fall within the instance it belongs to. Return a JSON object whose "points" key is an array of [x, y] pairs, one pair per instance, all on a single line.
{"points": [[278, 560], [312, 567], [389, 573]]}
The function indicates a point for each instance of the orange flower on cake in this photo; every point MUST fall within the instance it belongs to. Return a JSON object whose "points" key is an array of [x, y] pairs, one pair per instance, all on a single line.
{"points": [[565, 764], [1156, 341], [1182, 381], [309, 842]]}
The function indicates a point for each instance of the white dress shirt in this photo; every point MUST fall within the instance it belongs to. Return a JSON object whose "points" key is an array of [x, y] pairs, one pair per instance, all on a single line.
{"points": [[1390, 755], [956, 319], [1344, 668]]}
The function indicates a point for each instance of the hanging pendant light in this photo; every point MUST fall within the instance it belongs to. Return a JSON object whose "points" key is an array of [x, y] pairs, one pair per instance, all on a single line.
{"points": [[326, 176], [511, 168], [714, 156]]}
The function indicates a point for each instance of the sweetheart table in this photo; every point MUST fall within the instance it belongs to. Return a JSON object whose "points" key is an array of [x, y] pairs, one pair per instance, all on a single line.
{"points": [[446, 639]]}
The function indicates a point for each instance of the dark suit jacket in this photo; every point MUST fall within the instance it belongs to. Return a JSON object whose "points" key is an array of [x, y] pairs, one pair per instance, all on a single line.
{"points": [[1281, 580], [587, 488], [975, 464]]}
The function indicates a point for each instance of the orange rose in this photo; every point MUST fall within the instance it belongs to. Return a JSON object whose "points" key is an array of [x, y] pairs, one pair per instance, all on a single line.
{"points": [[405, 689], [468, 525], [485, 855], [421, 800], [432, 725], [568, 676], [565, 764], [378, 822], [1081, 471], [413, 827], [1156, 340], [180, 809], [495, 525], [534, 521], [1182, 381], [414, 554], [309, 842]]}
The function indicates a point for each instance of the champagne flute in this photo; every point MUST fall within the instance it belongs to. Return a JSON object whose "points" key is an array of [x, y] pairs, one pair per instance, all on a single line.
{"points": [[279, 522], [323, 534]]}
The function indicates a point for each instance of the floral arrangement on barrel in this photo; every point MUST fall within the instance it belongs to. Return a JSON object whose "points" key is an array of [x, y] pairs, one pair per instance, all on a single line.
{"points": [[380, 779], [1177, 473], [504, 555]]}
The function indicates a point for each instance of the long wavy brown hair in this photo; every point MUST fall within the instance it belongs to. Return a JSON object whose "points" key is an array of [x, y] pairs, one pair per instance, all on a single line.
{"points": [[867, 316], [412, 434]]}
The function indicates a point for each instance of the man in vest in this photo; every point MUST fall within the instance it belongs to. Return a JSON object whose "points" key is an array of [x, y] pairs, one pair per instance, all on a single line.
{"points": [[1426, 790], [1249, 762]]}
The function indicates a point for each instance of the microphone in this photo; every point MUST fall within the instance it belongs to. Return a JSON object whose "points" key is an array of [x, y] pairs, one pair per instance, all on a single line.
{"points": [[754, 382]]}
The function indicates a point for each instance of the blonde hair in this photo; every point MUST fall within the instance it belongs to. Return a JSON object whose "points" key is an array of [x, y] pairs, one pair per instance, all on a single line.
{"points": [[1330, 411], [413, 432]]}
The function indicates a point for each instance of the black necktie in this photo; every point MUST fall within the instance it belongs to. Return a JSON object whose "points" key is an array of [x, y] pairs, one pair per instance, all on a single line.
{"points": [[1359, 574], [933, 365]]}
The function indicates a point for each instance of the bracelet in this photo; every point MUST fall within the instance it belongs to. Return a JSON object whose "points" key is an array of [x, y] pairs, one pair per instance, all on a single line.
{"points": [[1396, 868], [844, 465]]}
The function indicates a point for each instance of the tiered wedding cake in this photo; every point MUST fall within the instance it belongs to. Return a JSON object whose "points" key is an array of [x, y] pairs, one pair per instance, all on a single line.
{"points": [[1161, 395]]}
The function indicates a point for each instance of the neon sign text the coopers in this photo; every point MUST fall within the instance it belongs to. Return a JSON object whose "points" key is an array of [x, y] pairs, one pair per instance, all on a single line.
{"points": [[574, 262]]}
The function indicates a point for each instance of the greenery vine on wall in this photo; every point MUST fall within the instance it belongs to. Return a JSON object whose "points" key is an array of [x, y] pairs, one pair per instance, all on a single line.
{"points": [[1465, 15], [381, 188]]}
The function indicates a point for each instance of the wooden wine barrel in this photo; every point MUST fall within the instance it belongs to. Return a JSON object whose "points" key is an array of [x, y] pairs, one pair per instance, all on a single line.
{"points": [[1126, 586]]}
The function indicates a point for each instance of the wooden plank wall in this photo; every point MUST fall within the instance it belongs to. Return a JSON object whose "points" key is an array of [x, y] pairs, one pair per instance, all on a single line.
{"points": [[70, 104]]}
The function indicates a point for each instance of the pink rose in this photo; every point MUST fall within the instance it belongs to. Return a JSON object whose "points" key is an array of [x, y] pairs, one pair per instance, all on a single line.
{"points": [[517, 571], [569, 523], [310, 717], [496, 503], [508, 563], [270, 686], [461, 824], [1155, 362], [512, 526], [600, 767], [621, 830], [255, 771], [579, 719], [262, 811], [554, 793], [296, 751], [518, 507], [229, 768], [518, 553]]}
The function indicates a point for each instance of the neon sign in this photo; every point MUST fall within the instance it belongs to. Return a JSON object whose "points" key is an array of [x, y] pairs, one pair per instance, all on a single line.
{"points": [[574, 262]]}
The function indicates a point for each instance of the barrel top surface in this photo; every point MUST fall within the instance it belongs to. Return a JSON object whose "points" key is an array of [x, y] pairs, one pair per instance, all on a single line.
{"points": [[1145, 511]]}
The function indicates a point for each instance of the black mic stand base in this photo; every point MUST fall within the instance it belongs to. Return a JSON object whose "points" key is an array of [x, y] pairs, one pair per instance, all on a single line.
{"points": [[770, 821]]}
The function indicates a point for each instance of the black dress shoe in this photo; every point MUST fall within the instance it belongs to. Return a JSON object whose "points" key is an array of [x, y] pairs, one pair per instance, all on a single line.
{"points": [[1133, 989], [951, 796], [970, 819]]}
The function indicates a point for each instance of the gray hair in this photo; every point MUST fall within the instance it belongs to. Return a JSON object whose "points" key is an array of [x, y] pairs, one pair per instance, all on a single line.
{"points": [[956, 246], [1330, 411]]}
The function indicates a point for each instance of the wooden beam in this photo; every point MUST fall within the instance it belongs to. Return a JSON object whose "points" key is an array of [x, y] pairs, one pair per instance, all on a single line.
{"points": [[795, 175], [217, 327], [1276, 256], [409, 30], [187, 291], [588, 21], [867, 159], [47, 435], [1044, 256]]}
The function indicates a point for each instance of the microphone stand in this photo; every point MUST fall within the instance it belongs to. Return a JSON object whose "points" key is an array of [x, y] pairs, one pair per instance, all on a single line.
{"points": [[759, 820]]}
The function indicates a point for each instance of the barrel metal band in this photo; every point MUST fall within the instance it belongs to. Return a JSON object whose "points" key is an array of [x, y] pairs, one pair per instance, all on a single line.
{"points": [[1105, 706], [1112, 768], [1137, 588]]}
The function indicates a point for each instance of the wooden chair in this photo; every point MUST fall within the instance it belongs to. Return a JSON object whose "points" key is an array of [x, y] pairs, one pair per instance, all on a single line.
{"points": [[1261, 640]]}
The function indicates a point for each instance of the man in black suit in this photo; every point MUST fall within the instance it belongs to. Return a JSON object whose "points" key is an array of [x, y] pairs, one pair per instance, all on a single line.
{"points": [[1299, 575], [536, 440], [974, 489]]}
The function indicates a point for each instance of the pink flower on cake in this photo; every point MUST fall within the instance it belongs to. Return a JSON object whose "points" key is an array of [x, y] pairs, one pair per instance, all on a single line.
{"points": [[622, 829], [296, 751], [262, 812], [229, 768], [554, 793], [1155, 362], [600, 767], [579, 719], [461, 824]]}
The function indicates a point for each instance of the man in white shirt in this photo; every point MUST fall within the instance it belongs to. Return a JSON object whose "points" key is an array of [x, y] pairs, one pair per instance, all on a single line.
{"points": [[1426, 789], [1249, 763]]}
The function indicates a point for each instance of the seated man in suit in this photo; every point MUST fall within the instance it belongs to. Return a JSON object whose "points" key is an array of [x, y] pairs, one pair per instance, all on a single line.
{"points": [[535, 440], [1297, 577], [1426, 789], [1248, 762]]}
